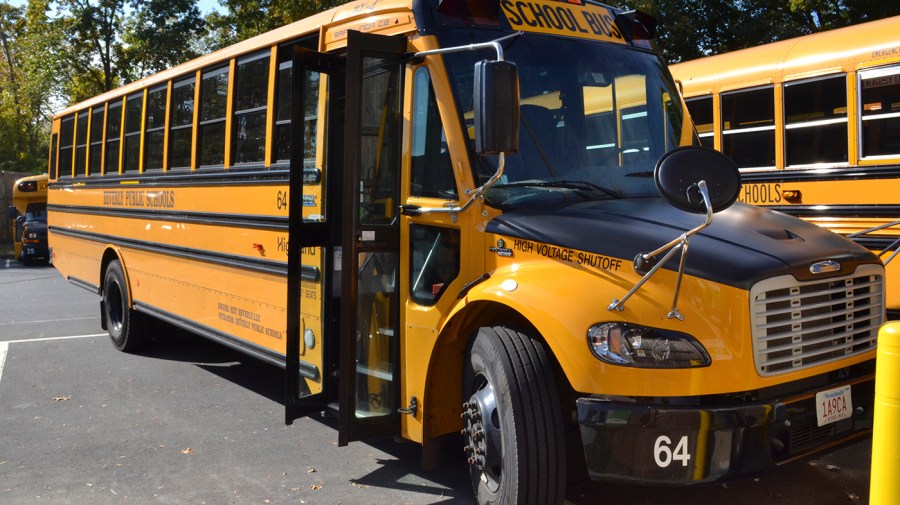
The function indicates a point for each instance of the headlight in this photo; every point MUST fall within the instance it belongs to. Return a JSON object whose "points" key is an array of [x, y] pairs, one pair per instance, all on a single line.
{"points": [[31, 235], [633, 345]]}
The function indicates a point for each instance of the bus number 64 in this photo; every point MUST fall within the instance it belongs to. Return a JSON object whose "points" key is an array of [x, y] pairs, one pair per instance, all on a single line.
{"points": [[664, 455]]}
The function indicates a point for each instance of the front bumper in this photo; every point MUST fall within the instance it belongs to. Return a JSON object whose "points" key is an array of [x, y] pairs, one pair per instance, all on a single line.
{"points": [[35, 251], [655, 443]]}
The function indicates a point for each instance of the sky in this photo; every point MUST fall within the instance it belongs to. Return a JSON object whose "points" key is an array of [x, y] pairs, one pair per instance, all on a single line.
{"points": [[204, 5]]}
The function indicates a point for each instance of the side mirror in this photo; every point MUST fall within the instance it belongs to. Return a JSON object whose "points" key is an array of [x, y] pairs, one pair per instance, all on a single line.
{"points": [[20, 221], [11, 212], [678, 172], [496, 107]]}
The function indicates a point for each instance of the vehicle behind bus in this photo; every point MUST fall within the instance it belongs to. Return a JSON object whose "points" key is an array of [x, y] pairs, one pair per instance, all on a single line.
{"points": [[813, 123], [475, 222], [28, 218]]}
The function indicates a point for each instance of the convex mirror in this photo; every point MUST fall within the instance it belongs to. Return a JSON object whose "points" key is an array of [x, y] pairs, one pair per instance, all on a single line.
{"points": [[679, 170]]}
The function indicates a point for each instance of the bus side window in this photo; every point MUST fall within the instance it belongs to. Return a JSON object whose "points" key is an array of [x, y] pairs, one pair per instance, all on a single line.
{"points": [[880, 112], [81, 139], [113, 134], [66, 140], [282, 144], [701, 109], [134, 107], [181, 130], [815, 122], [435, 262], [95, 156], [748, 127], [213, 109], [54, 145], [155, 127], [251, 86], [432, 171]]}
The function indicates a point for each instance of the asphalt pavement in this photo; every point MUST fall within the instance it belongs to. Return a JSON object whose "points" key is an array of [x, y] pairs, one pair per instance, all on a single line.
{"points": [[192, 422]]}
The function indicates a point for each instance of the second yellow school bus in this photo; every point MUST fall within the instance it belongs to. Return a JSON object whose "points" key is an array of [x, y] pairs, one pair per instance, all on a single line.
{"points": [[814, 124], [28, 218], [469, 220]]}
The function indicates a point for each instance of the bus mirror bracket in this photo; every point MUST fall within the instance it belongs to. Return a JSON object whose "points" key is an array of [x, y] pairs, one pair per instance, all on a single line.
{"points": [[893, 248], [496, 95], [684, 177]]}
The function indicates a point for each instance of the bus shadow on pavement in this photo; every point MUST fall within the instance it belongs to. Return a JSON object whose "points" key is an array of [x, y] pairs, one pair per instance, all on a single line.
{"points": [[173, 344]]}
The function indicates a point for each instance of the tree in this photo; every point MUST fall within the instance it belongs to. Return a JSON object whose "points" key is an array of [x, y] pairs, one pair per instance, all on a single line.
{"points": [[691, 29], [247, 18], [27, 41], [117, 41], [159, 36]]}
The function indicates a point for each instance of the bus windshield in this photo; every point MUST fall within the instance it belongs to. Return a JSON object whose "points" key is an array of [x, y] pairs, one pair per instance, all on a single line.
{"points": [[595, 118]]}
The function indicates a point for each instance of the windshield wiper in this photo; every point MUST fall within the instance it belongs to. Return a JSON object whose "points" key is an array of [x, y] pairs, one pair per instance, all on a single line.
{"points": [[578, 185]]}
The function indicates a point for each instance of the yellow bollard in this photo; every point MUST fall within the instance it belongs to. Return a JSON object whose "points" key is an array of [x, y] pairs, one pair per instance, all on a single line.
{"points": [[884, 488]]}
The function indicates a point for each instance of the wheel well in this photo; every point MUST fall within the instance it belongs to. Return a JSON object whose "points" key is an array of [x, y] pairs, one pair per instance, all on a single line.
{"points": [[443, 390], [108, 256]]}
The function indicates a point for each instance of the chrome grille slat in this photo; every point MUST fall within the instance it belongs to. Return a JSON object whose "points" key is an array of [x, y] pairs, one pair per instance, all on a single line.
{"points": [[815, 317], [820, 340], [829, 351], [836, 289], [817, 305], [797, 325]]}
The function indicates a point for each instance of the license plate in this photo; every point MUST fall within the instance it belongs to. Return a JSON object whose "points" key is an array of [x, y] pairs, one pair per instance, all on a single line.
{"points": [[833, 405]]}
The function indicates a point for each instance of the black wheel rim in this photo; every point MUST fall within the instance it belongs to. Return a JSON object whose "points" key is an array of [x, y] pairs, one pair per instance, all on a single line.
{"points": [[115, 307]]}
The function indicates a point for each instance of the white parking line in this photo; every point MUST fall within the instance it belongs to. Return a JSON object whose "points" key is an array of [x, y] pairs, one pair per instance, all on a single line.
{"points": [[4, 346], [45, 339], [51, 320]]}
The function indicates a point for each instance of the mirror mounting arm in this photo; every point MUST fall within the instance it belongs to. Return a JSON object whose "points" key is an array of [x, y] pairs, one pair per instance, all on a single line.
{"points": [[475, 194], [501, 162], [494, 44], [680, 244]]}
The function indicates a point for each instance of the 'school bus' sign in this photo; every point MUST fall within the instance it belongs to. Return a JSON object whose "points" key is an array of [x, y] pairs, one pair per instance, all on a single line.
{"points": [[558, 18]]}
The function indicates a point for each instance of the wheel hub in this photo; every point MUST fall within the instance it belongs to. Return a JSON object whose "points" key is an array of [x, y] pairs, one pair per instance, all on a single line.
{"points": [[481, 432]]}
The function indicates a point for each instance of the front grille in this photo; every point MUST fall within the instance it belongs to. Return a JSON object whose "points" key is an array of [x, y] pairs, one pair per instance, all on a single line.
{"points": [[797, 325], [805, 436]]}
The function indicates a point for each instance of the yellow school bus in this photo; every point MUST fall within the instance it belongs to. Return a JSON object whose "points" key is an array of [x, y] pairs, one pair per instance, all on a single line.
{"points": [[814, 125], [476, 222], [28, 218]]}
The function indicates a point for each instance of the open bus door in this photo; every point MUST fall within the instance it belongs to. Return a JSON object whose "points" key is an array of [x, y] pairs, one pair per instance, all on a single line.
{"points": [[369, 349], [312, 241], [356, 235]]}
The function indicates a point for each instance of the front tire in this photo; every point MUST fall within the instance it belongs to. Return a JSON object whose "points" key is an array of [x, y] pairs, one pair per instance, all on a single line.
{"points": [[123, 323], [513, 425]]}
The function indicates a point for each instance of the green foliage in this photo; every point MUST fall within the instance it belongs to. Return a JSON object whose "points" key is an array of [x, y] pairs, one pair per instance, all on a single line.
{"points": [[26, 84], [158, 36], [691, 29], [247, 18]]}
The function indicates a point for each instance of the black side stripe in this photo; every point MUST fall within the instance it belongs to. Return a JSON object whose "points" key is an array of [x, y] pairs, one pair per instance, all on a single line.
{"points": [[308, 273], [882, 211], [84, 284], [307, 370], [215, 219], [828, 174], [180, 178]]}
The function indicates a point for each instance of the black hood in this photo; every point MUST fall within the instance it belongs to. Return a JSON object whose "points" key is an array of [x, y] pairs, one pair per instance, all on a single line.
{"points": [[743, 245]]}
